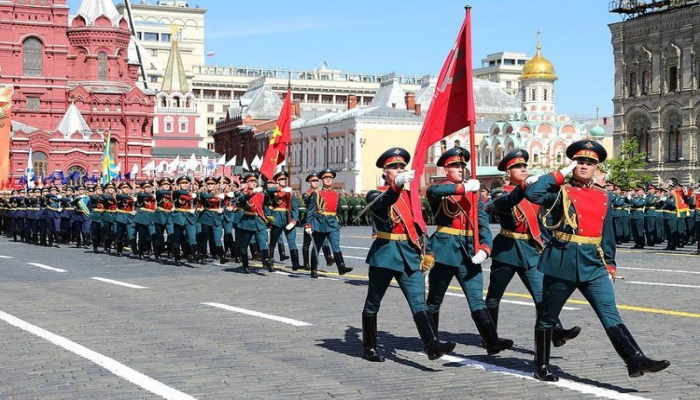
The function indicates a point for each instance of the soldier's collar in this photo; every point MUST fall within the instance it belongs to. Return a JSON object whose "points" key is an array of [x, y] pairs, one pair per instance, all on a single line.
{"points": [[576, 183]]}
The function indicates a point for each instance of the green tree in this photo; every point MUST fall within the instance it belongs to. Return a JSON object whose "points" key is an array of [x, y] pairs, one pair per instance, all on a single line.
{"points": [[624, 170]]}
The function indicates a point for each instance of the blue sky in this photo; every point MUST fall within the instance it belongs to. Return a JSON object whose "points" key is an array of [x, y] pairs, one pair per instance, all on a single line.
{"points": [[414, 37]]}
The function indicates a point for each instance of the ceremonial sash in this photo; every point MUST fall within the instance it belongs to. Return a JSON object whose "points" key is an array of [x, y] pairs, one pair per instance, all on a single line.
{"points": [[257, 201], [528, 212], [403, 210]]}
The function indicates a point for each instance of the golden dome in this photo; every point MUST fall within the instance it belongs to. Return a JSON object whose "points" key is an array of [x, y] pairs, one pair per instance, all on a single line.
{"points": [[538, 68]]}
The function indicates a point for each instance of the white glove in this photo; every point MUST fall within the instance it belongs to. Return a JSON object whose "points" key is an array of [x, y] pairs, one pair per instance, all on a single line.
{"points": [[290, 226], [221, 196], [569, 168], [404, 177], [258, 190], [194, 195], [663, 198], [59, 197], [133, 198], [287, 189], [479, 257], [307, 230], [229, 194], [531, 179], [472, 185]]}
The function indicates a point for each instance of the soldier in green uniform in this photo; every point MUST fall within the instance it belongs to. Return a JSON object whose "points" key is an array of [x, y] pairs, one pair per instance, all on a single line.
{"points": [[162, 218], [145, 210], [696, 217], [285, 214], [97, 208], [516, 247], [184, 219], [650, 216], [580, 255], [212, 218], [453, 245], [253, 222], [396, 254], [230, 249], [124, 218], [313, 181], [637, 203], [108, 217], [670, 211]]}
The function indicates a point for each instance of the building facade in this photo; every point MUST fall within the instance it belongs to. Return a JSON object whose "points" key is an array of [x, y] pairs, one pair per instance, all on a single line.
{"points": [[657, 82], [505, 68], [74, 85]]}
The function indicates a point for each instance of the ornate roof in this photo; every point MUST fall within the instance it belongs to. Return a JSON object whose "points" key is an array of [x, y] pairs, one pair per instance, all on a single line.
{"points": [[90, 10], [20, 127], [175, 79], [538, 67], [258, 102], [73, 122], [390, 93]]}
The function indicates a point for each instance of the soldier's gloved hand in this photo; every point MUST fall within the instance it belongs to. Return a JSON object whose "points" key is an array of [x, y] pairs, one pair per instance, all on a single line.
{"points": [[663, 198], [221, 196], [290, 226], [404, 177], [472, 185], [258, 190], [229, 194], [479, 257], [569, 168], [59, 197], [531, 179], [287, 189], [194, 195], [307, 230]]}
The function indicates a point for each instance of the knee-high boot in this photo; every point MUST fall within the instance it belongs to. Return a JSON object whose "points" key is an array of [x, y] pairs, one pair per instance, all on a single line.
{"points": [[294, 253], [222, 255], [314, 265], [369, 339], [266, 260], [244, 262], [280, 247], [560, 335], [487, 330], [340, 263], [327, 254], [428, 334], [543, 343], [627, 348]]}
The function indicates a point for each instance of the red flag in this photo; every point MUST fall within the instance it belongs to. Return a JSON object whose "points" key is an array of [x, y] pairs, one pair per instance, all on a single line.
{"points": [[277, 148], [452, 109]]}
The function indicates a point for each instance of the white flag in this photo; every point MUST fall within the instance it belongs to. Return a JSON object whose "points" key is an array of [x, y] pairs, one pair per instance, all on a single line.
{"points": [[161, 167], [149, 167], [172, 167], [232, 162], [134, 171], [119, 167], [29, 172], [222, 160], [191, 164], [256, 163], [245, 165]]}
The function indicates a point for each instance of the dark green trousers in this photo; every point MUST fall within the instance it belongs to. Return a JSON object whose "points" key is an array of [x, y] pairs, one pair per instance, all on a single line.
{"points": [[470, 279], [599, 293], [412, 285], [502, 274]]}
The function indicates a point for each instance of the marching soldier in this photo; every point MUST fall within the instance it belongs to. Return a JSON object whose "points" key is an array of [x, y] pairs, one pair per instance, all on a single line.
{"points": [[580, 256], [162, 218], [229, 204], [253, 223], [285, 214], [314, 183], [453, 246], [109, 216], [124, 218], [184, 220], [682, 210], [81, 218], [212, 218], [97, 207], [67, 209], [145, 209], [322, 222], [670, 211], [650, 216], [516, 247], [396, 253], [696, 206], [637, 204]]}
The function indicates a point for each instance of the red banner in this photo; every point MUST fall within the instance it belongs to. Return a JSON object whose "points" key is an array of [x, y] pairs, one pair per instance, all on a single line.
{"points": [[277, 148]]}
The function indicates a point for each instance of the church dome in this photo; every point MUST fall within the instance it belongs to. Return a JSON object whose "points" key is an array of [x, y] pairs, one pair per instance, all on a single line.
{"points": [[538, 68], [597, 132]]}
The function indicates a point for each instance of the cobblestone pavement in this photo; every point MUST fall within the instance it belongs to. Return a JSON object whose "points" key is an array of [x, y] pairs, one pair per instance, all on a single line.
{"points": [[210, 332]]}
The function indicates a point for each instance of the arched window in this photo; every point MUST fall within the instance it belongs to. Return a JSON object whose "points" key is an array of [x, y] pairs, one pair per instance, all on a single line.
{"points": [[183, 124], [81, 173], [544, 94], [674, 143], [102, 66], [633, 84], [40, 162], [32, 57], [168, 122], [646, 82]]}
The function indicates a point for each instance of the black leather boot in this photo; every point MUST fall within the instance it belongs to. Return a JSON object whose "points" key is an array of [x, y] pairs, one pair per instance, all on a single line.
{"points": [[560, 335], [487, 330], [369, 339], [435, 318], [192, 255], [543, 343], [340, 263], [222, 255], [637, 363], [244, 261], [327, 255], [157, 250], [135, 250], [95, 244], [697, 253], [255, 251], [266, 260], [108, 246], [120, 249], [283, 253], [305, 256], [294, 253], [314, 265], [433, 347]]}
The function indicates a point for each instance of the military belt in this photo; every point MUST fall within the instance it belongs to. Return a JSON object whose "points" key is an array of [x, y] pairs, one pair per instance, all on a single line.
{"points": [[515, 235], [147, 209], [392, 236], [110, 211], [125, 211], [331, 213], [567, 237], [280, 209], [637, 208], [651, 208], [164, 210], [249, 213], [184, 209], [455, 231]]}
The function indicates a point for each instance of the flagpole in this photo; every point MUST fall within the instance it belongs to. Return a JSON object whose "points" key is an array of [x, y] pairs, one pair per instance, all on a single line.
{"points": [[474, 196]]}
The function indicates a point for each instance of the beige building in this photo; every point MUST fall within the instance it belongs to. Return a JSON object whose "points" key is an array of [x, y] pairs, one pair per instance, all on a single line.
{"points": [[504, 68]]}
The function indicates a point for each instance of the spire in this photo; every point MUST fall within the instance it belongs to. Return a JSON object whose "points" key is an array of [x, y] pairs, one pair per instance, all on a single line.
{"points": [[175, 79], [73, 122], [90, 10]]}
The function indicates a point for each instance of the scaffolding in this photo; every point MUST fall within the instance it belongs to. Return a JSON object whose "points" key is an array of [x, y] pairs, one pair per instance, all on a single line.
{"points": [[636, 8]]}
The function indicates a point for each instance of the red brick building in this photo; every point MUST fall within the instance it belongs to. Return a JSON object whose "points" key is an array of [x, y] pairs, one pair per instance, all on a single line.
{"points": [[74, 80]]}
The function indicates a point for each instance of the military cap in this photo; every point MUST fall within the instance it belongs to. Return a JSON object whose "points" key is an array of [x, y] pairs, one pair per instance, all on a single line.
{"points": [[165, 181], [311, 176], [69, 189], [53, 188], [37, 190], [183, 179], [44, 189], [146, 184], [211, 180], [455, 155], [280, 174], [514, 157], [587, 149], [395, 155], [197, 181], [651, 186], [81, 187], [91, 189], [14, 191], [326, 172], [123, 185], [251, 176], [225, 180]]}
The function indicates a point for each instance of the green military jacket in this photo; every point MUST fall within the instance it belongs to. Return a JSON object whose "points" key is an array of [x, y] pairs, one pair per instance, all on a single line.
{"points": [[164, 206], [591, 210], [315, 218], [250, 219], [515, 252], [650, 210], [284, 208], [145, 208], [637, 210], [184, 212], [213, 213]]}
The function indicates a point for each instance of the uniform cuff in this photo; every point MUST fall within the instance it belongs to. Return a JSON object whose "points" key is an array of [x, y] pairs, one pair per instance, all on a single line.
{"points": [[459, 188], [486, 249], [558, 178]]}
